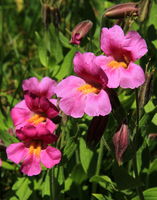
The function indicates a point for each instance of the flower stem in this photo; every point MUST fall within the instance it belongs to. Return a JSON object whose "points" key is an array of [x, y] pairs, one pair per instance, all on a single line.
{"points": [[98, 167], [52, 184], [134, 160]]}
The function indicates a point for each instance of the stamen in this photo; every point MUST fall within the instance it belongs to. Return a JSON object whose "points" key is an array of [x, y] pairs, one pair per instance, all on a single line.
{"points": [[35, 148], [36, 119], [116, 64], [87, 88]]}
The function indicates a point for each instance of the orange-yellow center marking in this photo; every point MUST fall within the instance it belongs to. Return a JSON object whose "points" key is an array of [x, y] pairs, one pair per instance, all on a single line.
{"points": [[116, 64], [35, 148], [87, 88], [36, 119]]}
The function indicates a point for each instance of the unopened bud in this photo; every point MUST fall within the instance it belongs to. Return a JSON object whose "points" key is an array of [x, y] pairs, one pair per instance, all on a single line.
{"points": [[80, 31], [122, 10], [120, 141], [144, 8], [96, 129]]}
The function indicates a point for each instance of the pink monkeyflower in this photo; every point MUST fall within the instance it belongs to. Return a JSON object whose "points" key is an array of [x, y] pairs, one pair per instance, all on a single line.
{"points": [[84, 94], [122, 51], [43, 88], [34, 112], [32, 154]]}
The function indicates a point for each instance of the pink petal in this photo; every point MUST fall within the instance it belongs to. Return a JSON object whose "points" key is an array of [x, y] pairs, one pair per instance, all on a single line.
{"points": [[114, 76], [43, 88], [50, 156], [135, 44], [73, 105], [98, 104], [68, 86], [86, 68], [16, 152], [47, 86], [112, 40], [20, 114], [31, 165], [0, 162], [132, 77]]}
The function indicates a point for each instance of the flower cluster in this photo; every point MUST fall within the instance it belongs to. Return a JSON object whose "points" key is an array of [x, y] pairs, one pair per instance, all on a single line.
{"points": [[32, 118], [88, 93]]}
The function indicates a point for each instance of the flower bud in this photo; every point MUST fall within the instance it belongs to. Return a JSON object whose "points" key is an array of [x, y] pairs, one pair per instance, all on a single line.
{"points": [[122, 10], [120, 141], [80, 31], [96, 129]]}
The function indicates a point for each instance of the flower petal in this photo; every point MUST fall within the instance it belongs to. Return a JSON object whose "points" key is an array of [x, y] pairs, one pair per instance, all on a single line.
{"points": [[112, 40], [20, 114], [31, 165], [50, 156], [132, 77], [98, 104], [86, 68], [135, 44], [73, 105], [45, 87], [68, 86], [16, 152]]}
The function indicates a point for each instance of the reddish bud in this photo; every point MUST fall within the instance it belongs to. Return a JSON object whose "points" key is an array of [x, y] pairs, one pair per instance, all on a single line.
{"points": [[122, 10], [80, 31], [120, 141]]}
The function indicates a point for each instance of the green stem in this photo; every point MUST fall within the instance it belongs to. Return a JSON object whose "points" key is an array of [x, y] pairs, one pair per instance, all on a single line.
{"points": [[52, 184], [138, 189], [98, 167]]}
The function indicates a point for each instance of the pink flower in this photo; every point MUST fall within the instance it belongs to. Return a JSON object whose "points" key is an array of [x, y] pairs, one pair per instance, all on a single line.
{"points": [[122, 50], [43, 88], [32, 154], [85, 94], [34, 112], [0, 162]]}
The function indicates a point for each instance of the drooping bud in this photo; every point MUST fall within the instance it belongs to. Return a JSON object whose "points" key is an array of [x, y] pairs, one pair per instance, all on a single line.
{"points": [[96, 129], [120, 141], [122, 10], [80, 31]]}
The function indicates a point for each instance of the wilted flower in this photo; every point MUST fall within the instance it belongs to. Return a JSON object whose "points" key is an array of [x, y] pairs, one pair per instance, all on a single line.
{"points": [[122, 50], [86, 94], [31, 154], [120, 141], [80, 31], [122, 10]]}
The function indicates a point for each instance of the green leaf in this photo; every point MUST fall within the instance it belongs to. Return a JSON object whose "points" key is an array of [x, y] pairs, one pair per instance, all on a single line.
{"points": [[22, 188], [149, 107], [154, 120], [150, 194], [45, 187], [69, 148], [43, 55], [85, 155], [55, 45], [64, 41], [99, 196], [103, 181], [7, 138], [78, 175], [8, 166], [67, 65], [123, 179]]}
